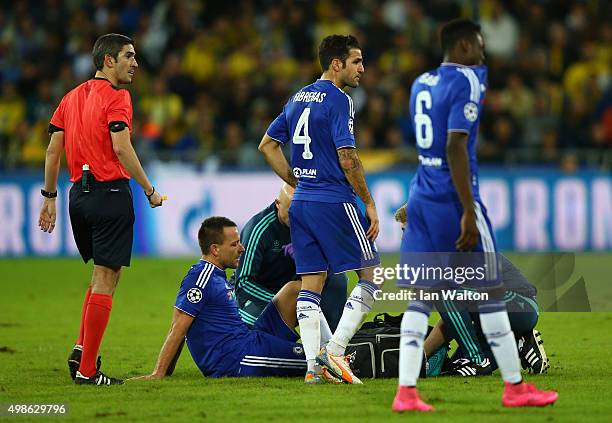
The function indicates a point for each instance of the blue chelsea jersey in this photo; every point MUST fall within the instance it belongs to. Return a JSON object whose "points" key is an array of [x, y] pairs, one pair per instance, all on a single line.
{"points": [[447, 99], [217, 337], [318, 120]]}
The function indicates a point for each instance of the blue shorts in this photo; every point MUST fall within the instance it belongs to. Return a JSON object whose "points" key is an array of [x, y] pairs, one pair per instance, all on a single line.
{"points": [[330, 236], [274, 350], [429, 240]]}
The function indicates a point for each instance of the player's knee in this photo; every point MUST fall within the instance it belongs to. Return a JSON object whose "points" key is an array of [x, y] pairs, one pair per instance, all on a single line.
{"points": [[314, 282], [288, 293], [293, 288], [366, 274]]}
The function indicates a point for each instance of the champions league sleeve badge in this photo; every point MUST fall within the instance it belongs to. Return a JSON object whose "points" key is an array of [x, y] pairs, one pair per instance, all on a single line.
{"points": [[470, 110], [194, 295]]}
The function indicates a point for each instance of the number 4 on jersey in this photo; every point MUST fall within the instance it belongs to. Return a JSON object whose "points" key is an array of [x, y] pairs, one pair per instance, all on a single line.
{"points": [[302, 127]]}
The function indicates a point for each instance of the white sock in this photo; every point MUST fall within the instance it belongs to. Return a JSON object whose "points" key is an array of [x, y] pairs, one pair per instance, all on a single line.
{"points": [[413, 330], [307, 311], [356, 307], [324, 329], [496, 328]]}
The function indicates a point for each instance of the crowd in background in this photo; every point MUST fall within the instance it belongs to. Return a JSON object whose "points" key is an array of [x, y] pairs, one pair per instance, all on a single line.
{"points": [[213, 74]]}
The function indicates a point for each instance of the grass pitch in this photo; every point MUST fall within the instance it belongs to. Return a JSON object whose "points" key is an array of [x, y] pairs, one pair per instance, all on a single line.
{"points": [[40, 302]]}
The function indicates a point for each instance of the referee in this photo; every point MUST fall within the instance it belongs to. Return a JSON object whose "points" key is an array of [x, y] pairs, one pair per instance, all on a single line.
{"points": [[93, 123]]}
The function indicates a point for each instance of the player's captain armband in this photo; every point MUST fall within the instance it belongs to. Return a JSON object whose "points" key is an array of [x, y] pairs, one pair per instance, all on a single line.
{"points": [[53, 128], [117, 126]]}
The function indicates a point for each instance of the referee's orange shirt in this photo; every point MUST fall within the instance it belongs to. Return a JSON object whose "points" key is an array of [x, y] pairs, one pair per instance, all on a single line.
{"points": [[84, 114]]}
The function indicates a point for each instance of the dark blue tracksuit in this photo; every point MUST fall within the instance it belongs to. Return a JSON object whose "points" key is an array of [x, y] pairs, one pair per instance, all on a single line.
{"points": [[267, 264], [463, 325]]}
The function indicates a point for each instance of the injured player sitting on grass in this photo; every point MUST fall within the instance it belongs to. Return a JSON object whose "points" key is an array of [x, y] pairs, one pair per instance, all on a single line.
{"points": [[206, 317]]}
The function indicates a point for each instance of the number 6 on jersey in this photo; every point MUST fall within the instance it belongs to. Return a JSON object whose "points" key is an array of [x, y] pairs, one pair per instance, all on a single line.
{"points": [[302, 124], [423, 130]]}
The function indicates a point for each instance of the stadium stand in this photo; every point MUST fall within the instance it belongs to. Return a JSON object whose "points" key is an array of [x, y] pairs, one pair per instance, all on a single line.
{"points": [[213, 74]]}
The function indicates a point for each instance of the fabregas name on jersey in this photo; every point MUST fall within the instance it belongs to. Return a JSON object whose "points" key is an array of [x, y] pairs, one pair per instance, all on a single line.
{"points": [[310, 96]]}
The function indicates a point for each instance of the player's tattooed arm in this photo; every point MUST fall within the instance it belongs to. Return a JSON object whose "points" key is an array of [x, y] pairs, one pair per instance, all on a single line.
{"points": [[459, 164], [353, 170], [271, 149]]}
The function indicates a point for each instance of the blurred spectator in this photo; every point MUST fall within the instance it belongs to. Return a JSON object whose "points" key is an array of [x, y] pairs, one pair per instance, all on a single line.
{"points": [[542, 120], [300, 34], [500, 32], [329, 20], [236, 152], [242, 63], [503, 135], [569, 163], [82, 66], [161, 111], [178, 81], [130, 16], [583, 76], [603, 51], [517, 98], [395, 13], [602, 128], [399, 58], [399, 113], [28, 39], [258, 121], [12, 113], [536, 23], [199, 59], [32, 143], [549, 152], [577, 20], [378, 35], [51, 54], [560, 53], [420, 28], [376, 118], [41, 105], [575, 124], [100, 13], [236, 103]]}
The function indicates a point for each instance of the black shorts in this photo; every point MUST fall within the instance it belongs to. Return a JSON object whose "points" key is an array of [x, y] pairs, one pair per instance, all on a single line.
{"points": [[103, 222]]}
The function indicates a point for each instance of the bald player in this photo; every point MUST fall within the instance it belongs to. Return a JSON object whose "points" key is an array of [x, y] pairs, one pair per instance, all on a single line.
{"points": [[268, 264]]}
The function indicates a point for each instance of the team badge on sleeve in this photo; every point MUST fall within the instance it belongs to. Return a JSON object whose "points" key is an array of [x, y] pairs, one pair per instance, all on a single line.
{"points": [[194, 295], [470, 110]]}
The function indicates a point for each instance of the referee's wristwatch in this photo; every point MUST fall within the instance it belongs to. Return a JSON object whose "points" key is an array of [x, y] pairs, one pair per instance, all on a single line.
{"points": [[48, 194]]}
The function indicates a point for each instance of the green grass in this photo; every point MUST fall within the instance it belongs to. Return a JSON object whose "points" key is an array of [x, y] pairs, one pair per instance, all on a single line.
{"points": [[40, 301]]}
